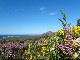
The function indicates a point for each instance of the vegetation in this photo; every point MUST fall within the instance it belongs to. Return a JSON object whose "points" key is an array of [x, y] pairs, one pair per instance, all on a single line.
{"points": [[63, 45]]}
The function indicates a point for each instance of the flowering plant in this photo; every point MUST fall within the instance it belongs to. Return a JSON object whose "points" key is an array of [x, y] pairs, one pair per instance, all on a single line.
{"points": [[64, 45]]}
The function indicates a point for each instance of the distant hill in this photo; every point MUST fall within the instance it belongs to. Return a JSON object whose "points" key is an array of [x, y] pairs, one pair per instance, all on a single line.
{"points": [[49, 33]]}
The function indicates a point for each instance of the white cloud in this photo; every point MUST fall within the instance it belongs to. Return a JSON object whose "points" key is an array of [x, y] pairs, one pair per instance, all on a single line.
{"points": [[42, 8], [43, 11], [53, 13]]}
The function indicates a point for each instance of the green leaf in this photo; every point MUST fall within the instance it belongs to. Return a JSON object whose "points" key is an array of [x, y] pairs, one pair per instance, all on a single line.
{"points": [[64, 17], [61, 21], [69, 24], [61, 12]]}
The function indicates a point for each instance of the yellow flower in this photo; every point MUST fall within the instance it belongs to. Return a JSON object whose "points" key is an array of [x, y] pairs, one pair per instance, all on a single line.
{"points": [[43, 53], [54, 37], [44, 42], [71, 30], [79, 28], [74, 42], [79, 50], [30, 57], [75, 27], [61, 32], [29, 46], [64, 39], [43, 50], [25, 53], [76, 32]]}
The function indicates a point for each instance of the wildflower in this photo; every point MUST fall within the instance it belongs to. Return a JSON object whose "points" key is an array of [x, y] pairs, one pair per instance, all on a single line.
{"points": [[71, 30], [79, 28], [37, 53], [76, 32], [30, 57], [64, 39], [44, 43], [67, 47], [43, 53], [25, 53], [78, 41], [74, 42], [75, 27], [54, 37], [79, 50], [51, 49], [43, 50], [75, 55], [61, 32], [29, 46]]}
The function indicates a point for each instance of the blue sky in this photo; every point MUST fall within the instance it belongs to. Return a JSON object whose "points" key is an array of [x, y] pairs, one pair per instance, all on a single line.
{"points": [[36, 16]]}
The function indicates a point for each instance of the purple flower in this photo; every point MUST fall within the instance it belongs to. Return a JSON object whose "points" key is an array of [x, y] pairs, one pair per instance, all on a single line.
{"points": [[67, 47]]}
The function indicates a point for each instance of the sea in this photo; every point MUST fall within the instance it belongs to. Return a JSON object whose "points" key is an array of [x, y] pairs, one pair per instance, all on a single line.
{"points": [[7, 36]]}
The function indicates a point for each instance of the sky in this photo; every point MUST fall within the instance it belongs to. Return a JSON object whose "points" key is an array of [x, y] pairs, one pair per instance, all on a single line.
{"points": [[36, 16]]}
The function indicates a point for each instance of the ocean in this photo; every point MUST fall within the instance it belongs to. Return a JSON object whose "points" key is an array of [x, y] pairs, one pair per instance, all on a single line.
{"points": [[6, 36]]}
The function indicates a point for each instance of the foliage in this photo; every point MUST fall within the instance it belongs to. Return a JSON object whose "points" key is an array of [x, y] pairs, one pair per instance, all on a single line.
{"points": [[64, 45]]}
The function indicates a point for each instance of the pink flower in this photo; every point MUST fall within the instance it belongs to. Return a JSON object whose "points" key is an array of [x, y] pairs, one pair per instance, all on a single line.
{"points": [[67, 47]]}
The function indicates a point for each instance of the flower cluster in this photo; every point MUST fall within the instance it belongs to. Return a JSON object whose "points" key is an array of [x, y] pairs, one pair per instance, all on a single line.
{"points": [[61, 32], [12, 49], [63, 45], [67, 46], [75, 30]]}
